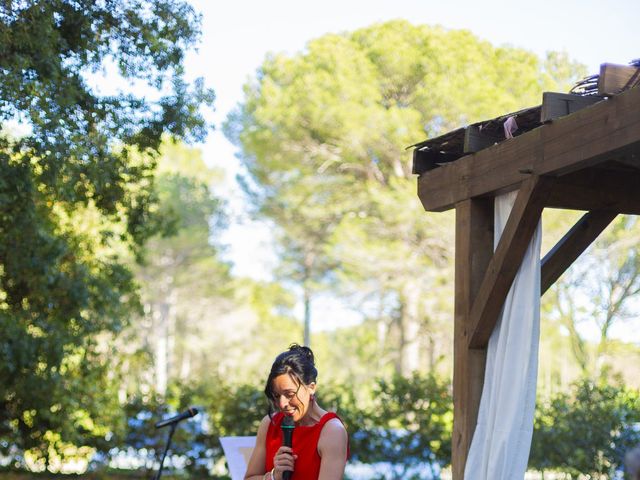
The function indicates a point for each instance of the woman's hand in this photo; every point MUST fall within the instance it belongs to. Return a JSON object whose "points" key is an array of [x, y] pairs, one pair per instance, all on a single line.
{"points": [[284, 460]]}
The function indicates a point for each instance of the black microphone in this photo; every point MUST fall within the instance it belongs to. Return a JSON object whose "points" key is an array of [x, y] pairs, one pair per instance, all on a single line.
{"points": [[169, 421], [287, 439]]}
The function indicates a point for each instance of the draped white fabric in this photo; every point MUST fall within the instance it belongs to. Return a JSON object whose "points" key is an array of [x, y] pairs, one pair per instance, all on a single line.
{"points": [[502, 439]]}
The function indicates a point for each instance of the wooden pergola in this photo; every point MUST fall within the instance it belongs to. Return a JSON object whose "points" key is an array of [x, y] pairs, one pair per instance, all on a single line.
{"points": [[579, 152]]}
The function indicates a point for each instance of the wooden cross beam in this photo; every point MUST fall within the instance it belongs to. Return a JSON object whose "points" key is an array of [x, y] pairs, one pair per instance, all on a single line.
{"points": [[585, 138], [502, 269]]}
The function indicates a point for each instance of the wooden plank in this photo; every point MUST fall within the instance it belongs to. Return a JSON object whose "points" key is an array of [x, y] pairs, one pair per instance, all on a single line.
{"points": [[555, 105], [615, 78], [611, 190], [571, 246], [576, 141], [475, 139], [474, 248], [504, 265]]}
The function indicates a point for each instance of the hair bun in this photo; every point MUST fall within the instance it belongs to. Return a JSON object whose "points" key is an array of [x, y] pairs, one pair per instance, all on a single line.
{"points": [[301, 349]]}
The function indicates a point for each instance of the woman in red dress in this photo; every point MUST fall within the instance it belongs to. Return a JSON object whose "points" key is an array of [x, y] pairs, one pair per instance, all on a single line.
{"points": [[320, 442]]}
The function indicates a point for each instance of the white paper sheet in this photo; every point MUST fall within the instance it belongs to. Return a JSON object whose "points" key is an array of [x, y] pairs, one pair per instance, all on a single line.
{"points": [[237, 451]]}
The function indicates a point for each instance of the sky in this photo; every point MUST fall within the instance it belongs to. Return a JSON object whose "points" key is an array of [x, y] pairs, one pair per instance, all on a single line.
{"points": [[238, 34]]}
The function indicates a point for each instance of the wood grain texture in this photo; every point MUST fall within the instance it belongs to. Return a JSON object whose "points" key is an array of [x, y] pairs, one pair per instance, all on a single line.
{"points": [[615, 78], [585, 138], [474, 249], [504, 265]]}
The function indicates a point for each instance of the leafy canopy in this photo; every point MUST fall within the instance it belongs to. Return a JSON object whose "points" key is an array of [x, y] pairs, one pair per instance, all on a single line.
{"points": [[323, 135], [75, 199]]}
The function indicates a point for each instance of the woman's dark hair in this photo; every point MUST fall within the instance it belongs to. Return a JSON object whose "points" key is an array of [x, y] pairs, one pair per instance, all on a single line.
{"points": [[297, 362]]}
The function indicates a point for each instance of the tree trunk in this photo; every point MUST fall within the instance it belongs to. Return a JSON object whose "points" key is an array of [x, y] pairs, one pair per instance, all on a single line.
{"points": [[164, 325], [399, 354], [410, 330], [431, 351], [161, 357], [307, 317]]}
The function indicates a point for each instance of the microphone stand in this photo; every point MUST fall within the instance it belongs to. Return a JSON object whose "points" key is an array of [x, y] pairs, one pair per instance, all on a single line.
{"points": [[171, 431]]}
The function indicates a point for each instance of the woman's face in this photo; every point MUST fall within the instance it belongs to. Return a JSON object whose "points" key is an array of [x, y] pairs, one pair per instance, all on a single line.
{"points": [[291, 397]]}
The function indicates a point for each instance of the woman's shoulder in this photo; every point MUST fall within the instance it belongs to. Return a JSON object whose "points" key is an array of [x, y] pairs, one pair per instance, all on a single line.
{"points": [[273, 420], [264, 424], [267, 421], [270, 426], [333, 438], [333, 423]]}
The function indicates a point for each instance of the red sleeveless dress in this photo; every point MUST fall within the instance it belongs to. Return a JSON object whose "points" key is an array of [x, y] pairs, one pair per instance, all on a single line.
{"points": [[305, 446]]}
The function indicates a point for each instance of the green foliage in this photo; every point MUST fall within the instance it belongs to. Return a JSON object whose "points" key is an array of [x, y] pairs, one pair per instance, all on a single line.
{"points": [[267, 324], [187, 254], [184, 282], [75, 200], [404, 421], [416, 415], [586, 431], [232, 410], [347, 106], [224, 410], [356, 354], [57, 292]]}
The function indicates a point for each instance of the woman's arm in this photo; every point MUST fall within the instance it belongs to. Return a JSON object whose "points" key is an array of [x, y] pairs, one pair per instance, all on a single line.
{"points": [[332, 447], [255, 469]]}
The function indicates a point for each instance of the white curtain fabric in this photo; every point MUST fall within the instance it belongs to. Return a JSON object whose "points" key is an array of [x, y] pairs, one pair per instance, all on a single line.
{"points": [[502, 439]]}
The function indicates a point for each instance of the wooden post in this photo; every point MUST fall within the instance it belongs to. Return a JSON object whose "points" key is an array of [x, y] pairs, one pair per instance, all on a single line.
{"points": [[474, 249]]}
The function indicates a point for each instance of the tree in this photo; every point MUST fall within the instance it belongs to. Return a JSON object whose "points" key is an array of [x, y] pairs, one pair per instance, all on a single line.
{"points": [[74, 198], [323, 132], [199, 320], [597, 294], [185, 285], [302, 246]]}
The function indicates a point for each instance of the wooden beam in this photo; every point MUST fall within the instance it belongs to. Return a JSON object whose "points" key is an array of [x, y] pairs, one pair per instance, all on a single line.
{"points": [[607, 189], [504, 265], [474, 248], [615, 78], [571, 246], [576, 141], [555, 105], [475, 139]]}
